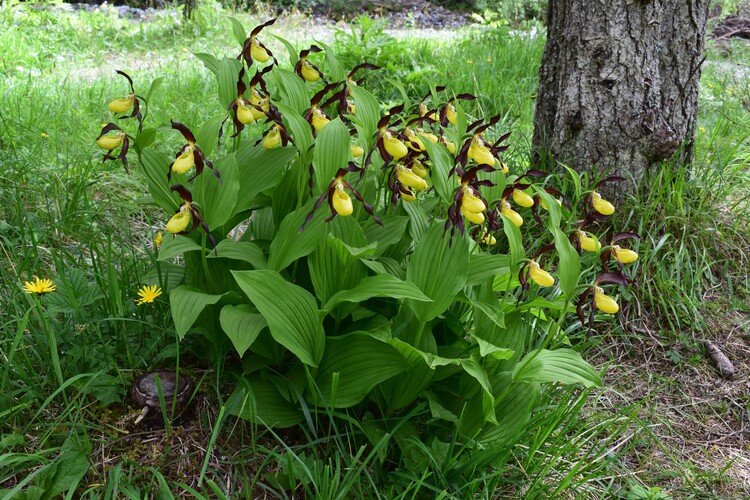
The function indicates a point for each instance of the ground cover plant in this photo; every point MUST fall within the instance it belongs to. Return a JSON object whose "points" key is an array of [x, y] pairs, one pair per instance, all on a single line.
{"points": [[83, 224]]}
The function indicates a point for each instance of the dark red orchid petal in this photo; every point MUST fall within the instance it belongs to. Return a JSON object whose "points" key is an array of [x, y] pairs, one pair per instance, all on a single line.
{"points": [[319, 95], [625, 236], [612, 279], [108, 128], [613, 178], [184, 192], [186, 133], [502, 138], [260, 27], [130, 80]]}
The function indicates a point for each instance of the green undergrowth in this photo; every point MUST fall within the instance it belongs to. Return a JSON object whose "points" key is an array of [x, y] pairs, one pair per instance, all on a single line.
{"points": [[67, 216]]}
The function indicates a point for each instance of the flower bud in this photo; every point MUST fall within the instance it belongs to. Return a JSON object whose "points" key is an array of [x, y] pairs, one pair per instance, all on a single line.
{"points": [[472, 203], [450, 114], [488, 239]]}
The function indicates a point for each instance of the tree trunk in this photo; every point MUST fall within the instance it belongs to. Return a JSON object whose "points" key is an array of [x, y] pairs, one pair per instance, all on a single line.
{"points": [[618, 85]]}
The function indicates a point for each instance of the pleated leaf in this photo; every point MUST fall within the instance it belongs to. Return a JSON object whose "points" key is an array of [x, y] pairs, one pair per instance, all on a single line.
{"points": [[361, 363], [442, 162], [381, 285], [187, 304], [293, 90], [367, 109], [332, 152], [259, 401], [439, 267], [515, 242], [217, 198], [242, 324], [155, 167], [245, 251], [290, 311], [226, 76], [259, 169], [484, 266], [290, 244], [569, 267], [176, 246], [561, 365]]}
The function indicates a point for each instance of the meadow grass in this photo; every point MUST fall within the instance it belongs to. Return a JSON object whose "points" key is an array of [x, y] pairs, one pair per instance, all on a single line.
{"points": [[67, 216]]}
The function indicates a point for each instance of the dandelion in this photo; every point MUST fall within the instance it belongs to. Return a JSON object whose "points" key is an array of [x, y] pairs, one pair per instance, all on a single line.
{"points": [[147, 294], [39, 286], [158, 239], [44, 134]]}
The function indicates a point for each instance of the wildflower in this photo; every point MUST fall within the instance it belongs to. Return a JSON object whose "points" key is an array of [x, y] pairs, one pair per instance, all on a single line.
{"points": [[158, 239], [539, 275], [621, 255], [307, 70], [701, 129], [39, 286], [187, 215], [468, 202], [180, 221], [522, 199], [126, 103], [624, 255], [118, 139], [190, 155], [449, 114], [450, 146], [246, 111], [390, 143], [488, 239], [357, 151], [273, 137], [147, 294], [605, 303], [599, 300], [121, 105], [44, 134], [601, 205], [339, 200], [511, 214], [408, 178], [480, 151], [253, 49], [588, 243], [315, 116]]}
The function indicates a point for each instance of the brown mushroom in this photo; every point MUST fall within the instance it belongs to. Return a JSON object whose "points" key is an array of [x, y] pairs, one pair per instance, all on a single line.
{"points": [[145, 391]]}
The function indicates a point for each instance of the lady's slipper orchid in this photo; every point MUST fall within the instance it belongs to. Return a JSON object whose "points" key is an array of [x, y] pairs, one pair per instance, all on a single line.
{"points": [[408, 178], [418, 168], [450, 146], [394, 146], [468, 202], [605, 303], [187, 217], [601, 205], [273, 137], [522, 199], [111, 142], [588, 243], [181, 220], [449, 114], [277, 133], [511, 214], [488, 239], [121, 105], [357, 151], [539, 275], [621, 255], [477, 149], [126, 103], [253, 49], [307, 70], [624, 255], [189, 155], [339, 200], [599, 300]]}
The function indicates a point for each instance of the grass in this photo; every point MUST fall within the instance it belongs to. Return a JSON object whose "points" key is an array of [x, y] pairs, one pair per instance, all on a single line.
{"points": [[72, 218]]}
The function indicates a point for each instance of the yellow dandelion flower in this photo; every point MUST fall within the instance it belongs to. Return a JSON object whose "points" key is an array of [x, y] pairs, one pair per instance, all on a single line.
{"points": [[39, 286], [147, 293]]}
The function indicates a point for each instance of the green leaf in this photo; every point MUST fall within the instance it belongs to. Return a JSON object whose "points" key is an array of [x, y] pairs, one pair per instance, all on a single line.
{"points": [[291, 49], [487, 349], [242, 324], [484, 266], [292, 89], [442, 162], [210, 62], [419, 220], [155, 168], [155, 84], [299, 129], [512, 412], [439, 267], [332, 152], [515, 242], [361, 363], [238, 30], [208, 135], [493, 194], [381, 285], [552, 207], [217, 198], [335, 72], [187, 304], [386, 235], [166, 274], [144, 139], [246, 251], [576, 178], [291, 312], [259, 169], [68, 469], [290, 243], [348, 254], [367, 110], [177, 246], [569, 268], [561, 365], [259, 401], [227, 75]]}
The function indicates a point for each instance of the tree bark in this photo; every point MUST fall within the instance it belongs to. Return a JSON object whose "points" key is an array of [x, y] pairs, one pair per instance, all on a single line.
{"points": [[618, 85]]}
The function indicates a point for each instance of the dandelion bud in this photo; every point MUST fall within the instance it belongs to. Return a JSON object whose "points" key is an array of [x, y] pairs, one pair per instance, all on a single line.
{"points": [[179, 221], [110, 142], [342, 202], [121, 105], [601, 205], [605, 303], [624, 255], [522, 199], [185, 161], [539, 275], [588, 243]]}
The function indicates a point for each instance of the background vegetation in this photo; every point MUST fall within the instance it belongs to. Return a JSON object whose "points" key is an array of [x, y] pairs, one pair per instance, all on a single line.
{"points": [[67, 216]]}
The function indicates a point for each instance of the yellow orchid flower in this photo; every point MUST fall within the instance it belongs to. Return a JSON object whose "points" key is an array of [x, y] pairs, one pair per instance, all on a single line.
{"points": [[601, 205], [539, 275], [185, 161], [110, 142], [605, 303], [510, 213], [341, 201], [522, 199], [180, 221], [410, 179], [273, 138], [588, 243], [624, 255], [121, 105]]}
